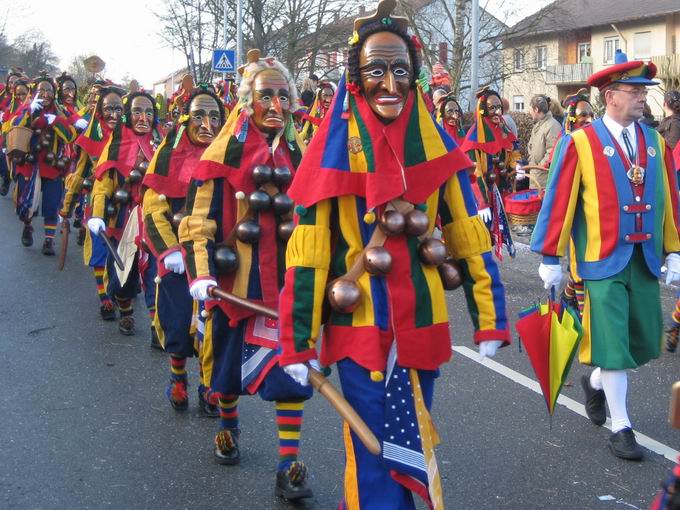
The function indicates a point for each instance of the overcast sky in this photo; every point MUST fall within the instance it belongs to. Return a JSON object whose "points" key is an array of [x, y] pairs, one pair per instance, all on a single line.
{"points": [[129, 42]]}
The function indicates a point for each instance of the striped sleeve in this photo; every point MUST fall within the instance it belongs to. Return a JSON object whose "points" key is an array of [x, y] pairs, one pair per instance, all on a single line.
{"points": [[101, 191], [198, 229], [64, 130], [74, 182], [157, 224], [671, 230], [553, 226], [301, 302], [468, 241]]}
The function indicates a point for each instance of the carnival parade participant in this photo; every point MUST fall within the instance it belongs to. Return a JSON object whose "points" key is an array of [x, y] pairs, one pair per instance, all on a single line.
{"points": [[450, 116], [41, 171], [373, 182], [167, 184], [494, 149], [17, 97], [322, 102], [116, 195], [234, 234], [613, 190], [107, 113]]}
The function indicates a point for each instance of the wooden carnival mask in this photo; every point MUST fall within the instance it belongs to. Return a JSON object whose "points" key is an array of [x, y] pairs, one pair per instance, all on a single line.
{"points": [[141, 111], [271, 101], [204, 119], [385, 67]]}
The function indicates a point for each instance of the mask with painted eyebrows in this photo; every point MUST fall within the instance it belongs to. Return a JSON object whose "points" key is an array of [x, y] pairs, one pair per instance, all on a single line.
{"points": [[204, 119], [141, 111], [271, 101], [385, 67]]}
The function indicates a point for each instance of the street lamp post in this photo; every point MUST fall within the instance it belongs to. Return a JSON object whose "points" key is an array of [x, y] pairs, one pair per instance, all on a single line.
{"points": [[474, 72]]}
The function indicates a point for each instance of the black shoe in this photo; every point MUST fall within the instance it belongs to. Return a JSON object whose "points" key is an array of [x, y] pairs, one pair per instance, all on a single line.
{"points": [[595, 400], [81, 237], [107, 311], [177, 395], [126, 325], [672, 338], [226, 448], [291, 483], [155, 342], [624, 446], [207, 409], [48, 247], [27, 235], [78, 223], [4, 187]]}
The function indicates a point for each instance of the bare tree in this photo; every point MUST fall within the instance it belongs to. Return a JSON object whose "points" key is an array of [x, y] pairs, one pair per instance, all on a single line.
{"points": [[34, 53]]}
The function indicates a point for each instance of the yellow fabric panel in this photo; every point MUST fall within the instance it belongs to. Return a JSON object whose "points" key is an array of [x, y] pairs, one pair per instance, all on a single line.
{"points": [[467, 237], [585, 353], [482, 292], [102, 189], [434, 282], [351, 481], [357, 162], [309, 246], [245, 256], [671, 242], [156, 212], [87, 248], [205, 355], [197, 229], [349, 227], [589, 196]]}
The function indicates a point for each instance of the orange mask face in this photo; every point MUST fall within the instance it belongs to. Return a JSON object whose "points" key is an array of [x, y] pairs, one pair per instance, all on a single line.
{"points": [[112, 109], [385, 67], [271, 101], [494, 109], [204, 119], [141, 111], [451, 113], [68, 92], [45, 92]]}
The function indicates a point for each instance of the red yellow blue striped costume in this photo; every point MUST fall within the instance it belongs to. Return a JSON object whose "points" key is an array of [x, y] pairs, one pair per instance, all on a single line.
{"points": [[354, 166], [590, 200]]}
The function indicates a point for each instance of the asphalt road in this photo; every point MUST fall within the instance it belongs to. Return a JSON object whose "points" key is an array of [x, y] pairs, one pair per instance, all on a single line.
{"points": [[84, 422]]}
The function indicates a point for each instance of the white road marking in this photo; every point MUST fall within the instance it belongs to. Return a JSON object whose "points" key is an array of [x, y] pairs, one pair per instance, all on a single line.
{"points": [[642, 439]]}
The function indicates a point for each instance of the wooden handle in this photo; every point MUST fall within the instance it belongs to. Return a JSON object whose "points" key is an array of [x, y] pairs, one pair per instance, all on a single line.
{"points": [[222, 294], [112, 250], [675, 406], [65, 231], [344, 409]]}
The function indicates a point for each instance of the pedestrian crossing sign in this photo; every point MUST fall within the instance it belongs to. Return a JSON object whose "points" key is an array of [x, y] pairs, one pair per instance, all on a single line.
{"points": [[223, 61]]}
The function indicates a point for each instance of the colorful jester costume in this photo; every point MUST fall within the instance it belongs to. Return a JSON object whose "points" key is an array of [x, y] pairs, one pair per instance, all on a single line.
{"points": [[115, 198], [494, 149], [167, 184], [235, 233], [40, 173], [613, 191], [356, 170]]}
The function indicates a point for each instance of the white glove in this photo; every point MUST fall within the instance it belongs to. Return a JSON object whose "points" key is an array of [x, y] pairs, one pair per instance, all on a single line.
{"points": [[199, 289], [551, 274], [80, 124], [298, 372], [36, 104], [96, 225], [672, 268], [174, 262], [49, 117], [520, 173], [485, 214], [488, 348]]}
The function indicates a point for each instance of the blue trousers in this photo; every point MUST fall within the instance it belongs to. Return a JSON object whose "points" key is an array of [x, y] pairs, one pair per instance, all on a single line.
{"points": [[367, 480], [174, 309], [51, 196]]}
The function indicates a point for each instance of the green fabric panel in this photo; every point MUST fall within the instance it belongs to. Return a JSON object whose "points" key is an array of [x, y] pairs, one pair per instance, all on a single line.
{"points": [[423, 299]]}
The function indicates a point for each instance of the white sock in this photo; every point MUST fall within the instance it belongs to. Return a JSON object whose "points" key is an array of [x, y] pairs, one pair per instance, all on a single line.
{"points": [[596, 379], [615, 385]]}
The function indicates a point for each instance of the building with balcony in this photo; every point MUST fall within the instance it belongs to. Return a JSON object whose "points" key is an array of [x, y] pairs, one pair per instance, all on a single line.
{"points": [[554, 51]]}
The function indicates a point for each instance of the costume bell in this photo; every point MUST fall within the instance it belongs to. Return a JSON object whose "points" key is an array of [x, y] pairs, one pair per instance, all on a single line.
{"points": [[107, 112], [613, 190], [40, 173], [167, 184], [376, 177], [494, 148], [116, 197], [235, 233]]}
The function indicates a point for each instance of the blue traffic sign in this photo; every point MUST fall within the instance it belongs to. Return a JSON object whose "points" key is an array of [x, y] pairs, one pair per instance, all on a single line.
{"points": [[223, 61]]}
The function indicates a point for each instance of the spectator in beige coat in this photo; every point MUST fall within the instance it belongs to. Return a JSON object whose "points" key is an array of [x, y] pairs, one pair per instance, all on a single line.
{"points": [[543, 136]]}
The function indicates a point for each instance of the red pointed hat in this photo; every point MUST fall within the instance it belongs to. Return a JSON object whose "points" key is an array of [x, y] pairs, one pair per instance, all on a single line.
{"points": [[635, 72]]}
